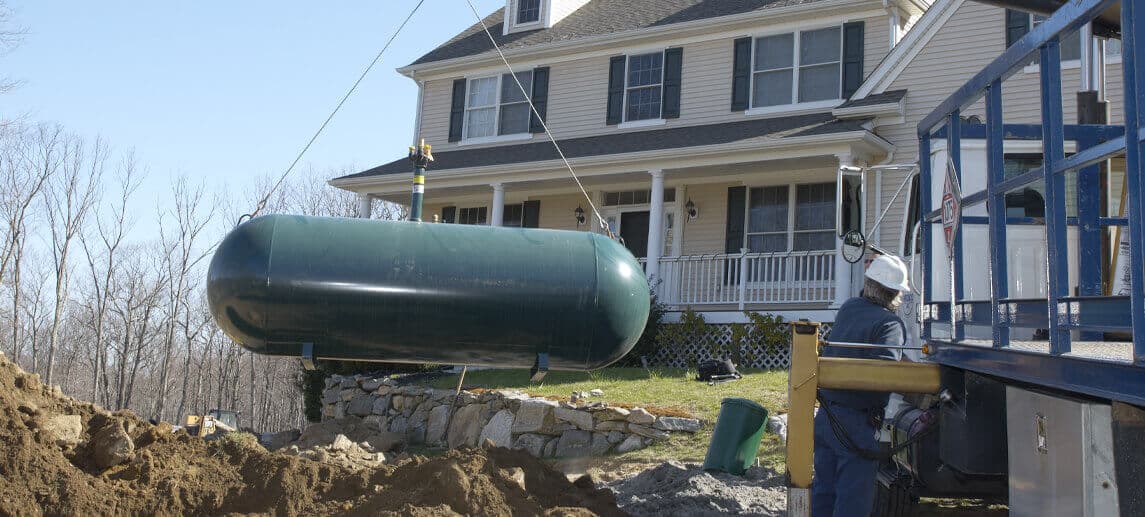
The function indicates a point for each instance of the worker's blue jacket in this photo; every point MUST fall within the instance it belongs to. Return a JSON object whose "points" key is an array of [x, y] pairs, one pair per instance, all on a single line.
{"points": [[860, 321]]}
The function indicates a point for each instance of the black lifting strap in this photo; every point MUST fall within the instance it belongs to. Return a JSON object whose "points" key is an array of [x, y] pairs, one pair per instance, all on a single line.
{"points": [[849, 444]]}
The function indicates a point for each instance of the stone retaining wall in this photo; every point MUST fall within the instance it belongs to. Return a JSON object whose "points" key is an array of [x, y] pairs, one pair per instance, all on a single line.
{"points": [[544, 428]]}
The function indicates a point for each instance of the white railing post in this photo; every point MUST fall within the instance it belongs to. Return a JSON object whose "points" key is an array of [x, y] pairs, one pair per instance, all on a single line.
{"points": [[742, 277]]}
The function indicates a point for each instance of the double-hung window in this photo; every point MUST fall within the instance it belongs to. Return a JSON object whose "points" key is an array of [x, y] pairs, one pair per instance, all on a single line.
{"points": [[497, 106], [797, 67], [786, 218], [475, 215], [643, 86], [528, 11]]}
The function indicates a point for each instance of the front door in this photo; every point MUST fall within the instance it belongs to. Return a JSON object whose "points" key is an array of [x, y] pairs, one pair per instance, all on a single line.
{"points": [[634, 231]]}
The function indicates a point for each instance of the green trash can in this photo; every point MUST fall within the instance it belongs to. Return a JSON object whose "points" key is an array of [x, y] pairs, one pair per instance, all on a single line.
{"points": [[736, 437]]}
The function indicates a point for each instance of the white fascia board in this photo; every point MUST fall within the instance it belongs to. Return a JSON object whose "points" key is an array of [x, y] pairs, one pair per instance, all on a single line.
{"points": [[698, 30], [889, 109], [896, 61], [764, 149]]}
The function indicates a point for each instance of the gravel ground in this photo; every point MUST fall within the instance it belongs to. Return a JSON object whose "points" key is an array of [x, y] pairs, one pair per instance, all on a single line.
{"points": [[681, 489]]}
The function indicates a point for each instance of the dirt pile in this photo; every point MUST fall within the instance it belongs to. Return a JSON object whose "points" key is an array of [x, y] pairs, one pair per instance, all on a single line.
{"points": [[66, 457], [685, 489]]}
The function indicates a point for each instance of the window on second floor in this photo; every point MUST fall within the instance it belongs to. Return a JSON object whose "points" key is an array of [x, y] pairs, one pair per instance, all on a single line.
{"points": [[643, 86], [497, 106], [797, 67], [485, 108], [1019, 23], [528, 11], [808, 66]]}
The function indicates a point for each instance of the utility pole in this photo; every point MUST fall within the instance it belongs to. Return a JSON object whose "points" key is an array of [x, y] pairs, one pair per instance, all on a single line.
{"points": [[420, 155]]}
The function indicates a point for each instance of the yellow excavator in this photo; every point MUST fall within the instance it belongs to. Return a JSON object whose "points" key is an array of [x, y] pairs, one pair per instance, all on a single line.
{"points": [[215, 423]]}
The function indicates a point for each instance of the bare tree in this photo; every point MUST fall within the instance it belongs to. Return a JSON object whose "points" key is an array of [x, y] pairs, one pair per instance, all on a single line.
{"points": [[10, 37], [181, 258], [103, 267], [72, 194]]}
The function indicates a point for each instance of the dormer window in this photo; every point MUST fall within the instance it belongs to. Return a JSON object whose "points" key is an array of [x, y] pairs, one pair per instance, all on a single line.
{"points": [[528, 11]]}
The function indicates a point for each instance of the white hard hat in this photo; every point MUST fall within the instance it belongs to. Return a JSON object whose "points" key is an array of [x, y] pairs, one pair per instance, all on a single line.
{"points": [[890, 271]]}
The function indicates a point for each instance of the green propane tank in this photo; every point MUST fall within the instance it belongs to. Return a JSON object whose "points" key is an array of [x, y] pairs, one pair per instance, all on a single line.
{"points": [[355, 289]]}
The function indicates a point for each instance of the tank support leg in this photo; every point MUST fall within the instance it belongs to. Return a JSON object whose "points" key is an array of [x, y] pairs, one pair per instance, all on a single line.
{"points": [[540, 368], [802, 385], [809, 372], [308, 356]]}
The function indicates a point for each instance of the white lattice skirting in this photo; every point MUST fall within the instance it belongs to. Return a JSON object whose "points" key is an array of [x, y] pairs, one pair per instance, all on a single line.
{"points": [[689, 354]]}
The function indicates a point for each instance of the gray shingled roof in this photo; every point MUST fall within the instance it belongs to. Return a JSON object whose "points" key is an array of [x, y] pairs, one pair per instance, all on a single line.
{"points": [[875, 99], [631, 142], [596, 18]]}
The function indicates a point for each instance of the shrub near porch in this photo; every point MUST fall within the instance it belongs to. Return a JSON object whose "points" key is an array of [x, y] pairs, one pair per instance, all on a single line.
{"points": [[658, 390]]}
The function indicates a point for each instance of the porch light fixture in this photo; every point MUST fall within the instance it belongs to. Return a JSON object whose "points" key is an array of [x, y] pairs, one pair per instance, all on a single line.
{"points": [[579, 213], [690, 208]]}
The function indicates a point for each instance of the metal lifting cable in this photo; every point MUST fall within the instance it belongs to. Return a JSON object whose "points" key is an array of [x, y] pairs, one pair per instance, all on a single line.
{"points": [[262, 203], [529, 98]]}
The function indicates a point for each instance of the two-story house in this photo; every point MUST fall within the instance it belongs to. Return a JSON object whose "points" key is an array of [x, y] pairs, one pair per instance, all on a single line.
{"points": [[707, 133]]}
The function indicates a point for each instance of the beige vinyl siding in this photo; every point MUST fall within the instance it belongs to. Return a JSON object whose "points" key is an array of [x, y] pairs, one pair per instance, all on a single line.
{"points": [[429, 210], [557, 212], [974, 36], [876, 32], [578, 89], [436, 101], [706, 233]]}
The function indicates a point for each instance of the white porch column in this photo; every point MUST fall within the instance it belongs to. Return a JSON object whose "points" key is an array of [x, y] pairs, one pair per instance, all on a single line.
{"points": [[365, 205], [656, 224], [842, 268], [498, 205]]}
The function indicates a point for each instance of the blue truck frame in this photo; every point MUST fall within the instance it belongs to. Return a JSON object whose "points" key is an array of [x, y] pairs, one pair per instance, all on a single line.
{"points": [[1090, 311]]}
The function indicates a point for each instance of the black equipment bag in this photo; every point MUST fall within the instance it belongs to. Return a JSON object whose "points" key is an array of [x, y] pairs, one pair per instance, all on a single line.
{"points": [[717, 369]]}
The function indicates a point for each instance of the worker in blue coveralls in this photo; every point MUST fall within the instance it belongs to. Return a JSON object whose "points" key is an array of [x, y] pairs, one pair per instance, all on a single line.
{"points": [[846, 442]]}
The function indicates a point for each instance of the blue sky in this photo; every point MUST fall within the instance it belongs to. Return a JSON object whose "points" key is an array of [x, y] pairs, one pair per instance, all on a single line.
{"points": [[225, 91]]}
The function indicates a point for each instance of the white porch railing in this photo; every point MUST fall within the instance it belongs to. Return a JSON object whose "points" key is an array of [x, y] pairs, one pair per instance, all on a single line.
{"points": [[747, 278]]}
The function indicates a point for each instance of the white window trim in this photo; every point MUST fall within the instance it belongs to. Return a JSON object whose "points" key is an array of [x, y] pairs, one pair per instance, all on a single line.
{"points": [[495, 139], [516, 10], [792, 109], [796, 105], [790, 231], [625, 123], [645, 122], [497, 104]]}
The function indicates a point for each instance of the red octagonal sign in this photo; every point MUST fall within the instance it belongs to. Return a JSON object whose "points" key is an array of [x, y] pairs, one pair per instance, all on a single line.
{"points": [[951, 207]]}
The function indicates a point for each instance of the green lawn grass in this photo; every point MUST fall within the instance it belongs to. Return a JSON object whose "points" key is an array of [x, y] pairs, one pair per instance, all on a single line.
{"points": [[669, 388]]}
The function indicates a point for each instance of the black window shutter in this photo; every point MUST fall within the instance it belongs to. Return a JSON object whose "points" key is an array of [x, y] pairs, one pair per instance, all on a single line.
{"points": [[852, 57], [673, 72], [1017, 25], [540, 99], [615, 90], [449, 214], [531, 214], [737, 201], [457, 111], [741, 75]]}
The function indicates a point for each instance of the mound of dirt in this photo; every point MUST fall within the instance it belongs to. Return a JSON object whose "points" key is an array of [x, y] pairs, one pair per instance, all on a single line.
{"points": [[66, 457]]}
